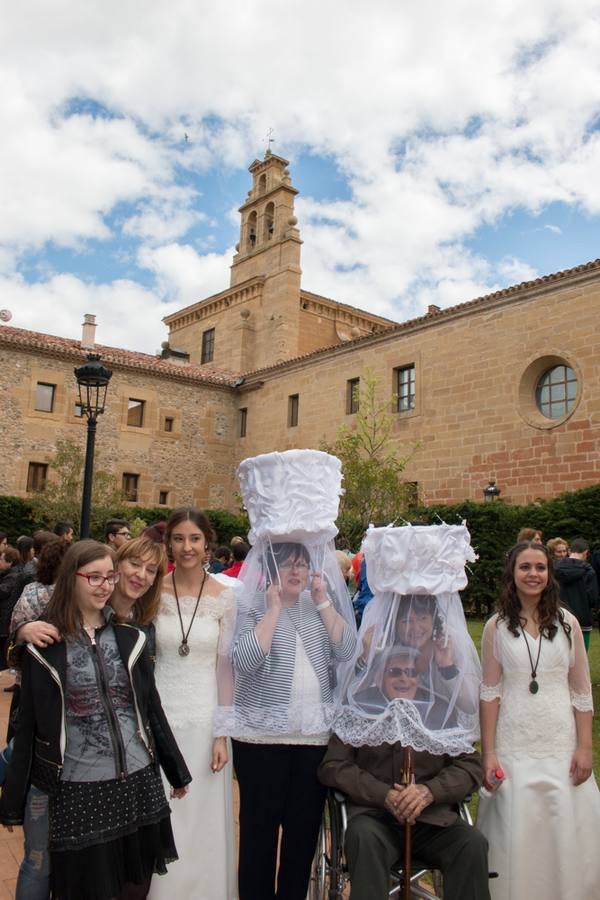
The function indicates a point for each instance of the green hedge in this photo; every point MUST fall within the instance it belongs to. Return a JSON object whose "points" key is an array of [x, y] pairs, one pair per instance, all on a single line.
{"points": [[494, 527], [16, 519]]}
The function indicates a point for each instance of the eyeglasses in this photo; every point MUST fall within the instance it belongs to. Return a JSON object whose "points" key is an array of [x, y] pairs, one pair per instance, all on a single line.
{"points": [[399, 671], [95, 581], [126, 534], [288, 566]]}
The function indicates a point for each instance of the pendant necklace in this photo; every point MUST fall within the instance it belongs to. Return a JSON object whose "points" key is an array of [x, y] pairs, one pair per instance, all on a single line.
{"points": [[533, 685], [184, 648]]}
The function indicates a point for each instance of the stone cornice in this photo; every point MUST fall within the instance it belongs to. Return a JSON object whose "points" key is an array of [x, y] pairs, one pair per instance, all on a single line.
{"points": [[578, 276], [211, 305], [333, 309]]}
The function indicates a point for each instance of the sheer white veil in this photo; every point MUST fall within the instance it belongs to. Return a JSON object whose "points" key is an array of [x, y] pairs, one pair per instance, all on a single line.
{"points": [[287, 683], [415, 674]]}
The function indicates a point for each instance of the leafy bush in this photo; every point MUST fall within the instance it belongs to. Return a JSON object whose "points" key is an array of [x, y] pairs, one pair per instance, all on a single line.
{"points": [[16, 518], [493, 527]]}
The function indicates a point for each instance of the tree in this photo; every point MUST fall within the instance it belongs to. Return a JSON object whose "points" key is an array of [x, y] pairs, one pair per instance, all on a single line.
{"points": [[375, 490], [60, 501]]}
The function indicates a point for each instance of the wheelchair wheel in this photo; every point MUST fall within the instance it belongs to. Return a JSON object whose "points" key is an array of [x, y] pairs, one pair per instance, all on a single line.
{"points": [[328, 875]]}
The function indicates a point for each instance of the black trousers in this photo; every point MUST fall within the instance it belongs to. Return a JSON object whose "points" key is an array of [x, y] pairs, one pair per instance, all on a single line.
{"points": [[278, 787], [459, 851]]}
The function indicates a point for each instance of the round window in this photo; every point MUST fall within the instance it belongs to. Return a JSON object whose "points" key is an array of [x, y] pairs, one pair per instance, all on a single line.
{"points": [[556, 392]]}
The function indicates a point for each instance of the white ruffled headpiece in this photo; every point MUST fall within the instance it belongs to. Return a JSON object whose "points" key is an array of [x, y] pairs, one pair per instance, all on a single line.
{"points": [[418, 559], [293, 495]]}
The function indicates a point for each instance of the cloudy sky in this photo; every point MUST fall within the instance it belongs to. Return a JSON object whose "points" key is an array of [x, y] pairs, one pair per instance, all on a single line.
{"points": [[442, 149]]}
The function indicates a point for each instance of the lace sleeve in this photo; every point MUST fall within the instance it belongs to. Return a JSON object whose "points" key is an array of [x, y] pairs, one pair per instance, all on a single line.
{"points": [[224, 664], [579, 670], [491, 668]]}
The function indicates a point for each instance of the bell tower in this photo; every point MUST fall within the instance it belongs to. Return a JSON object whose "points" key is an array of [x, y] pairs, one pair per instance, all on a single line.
{"points": [[269, 239]]}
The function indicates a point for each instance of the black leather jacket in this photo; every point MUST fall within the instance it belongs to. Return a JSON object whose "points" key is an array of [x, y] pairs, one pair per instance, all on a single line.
{"points": [[40, 739]]}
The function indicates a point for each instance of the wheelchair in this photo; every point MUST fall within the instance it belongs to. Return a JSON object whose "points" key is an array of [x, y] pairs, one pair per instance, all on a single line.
{"points": [[329, 878]]}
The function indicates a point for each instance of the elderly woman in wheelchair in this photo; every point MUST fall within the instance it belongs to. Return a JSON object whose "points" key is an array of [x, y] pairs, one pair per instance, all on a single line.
{"points": [[379, 807]]}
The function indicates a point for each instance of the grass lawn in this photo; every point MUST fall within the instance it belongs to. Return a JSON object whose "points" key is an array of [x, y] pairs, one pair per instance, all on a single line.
{"points": [[476, 629]]}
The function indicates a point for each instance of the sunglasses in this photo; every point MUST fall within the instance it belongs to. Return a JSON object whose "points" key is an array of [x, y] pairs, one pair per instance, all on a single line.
{"points": [[399, 671]]}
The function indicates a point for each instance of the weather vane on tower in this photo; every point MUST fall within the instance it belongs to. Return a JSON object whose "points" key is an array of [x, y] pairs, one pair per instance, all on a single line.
{"points": [[270, 139]]}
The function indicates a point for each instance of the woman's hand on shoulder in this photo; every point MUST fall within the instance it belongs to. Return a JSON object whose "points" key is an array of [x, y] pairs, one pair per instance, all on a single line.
{"points": [[38, 633], [219, 754], [581, 766]]}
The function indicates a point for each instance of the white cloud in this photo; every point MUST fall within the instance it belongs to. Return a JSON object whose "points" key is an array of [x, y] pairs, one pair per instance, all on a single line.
{"points": [[515, 271], [126, 313], [442, 118], [185, 276]]}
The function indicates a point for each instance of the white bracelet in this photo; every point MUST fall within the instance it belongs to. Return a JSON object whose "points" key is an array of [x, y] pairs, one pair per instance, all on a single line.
{"points": [[321, 606]]}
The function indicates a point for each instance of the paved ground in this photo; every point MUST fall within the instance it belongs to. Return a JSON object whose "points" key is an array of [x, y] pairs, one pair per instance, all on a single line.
{"points": [[11, 845]]}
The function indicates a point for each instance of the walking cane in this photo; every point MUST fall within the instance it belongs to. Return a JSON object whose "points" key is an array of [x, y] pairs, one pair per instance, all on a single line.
{"points": [[408, 777]]}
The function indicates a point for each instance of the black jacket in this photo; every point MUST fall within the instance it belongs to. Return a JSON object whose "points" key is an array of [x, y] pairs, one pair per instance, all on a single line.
{"points": [[40, 738], [578, 588]]}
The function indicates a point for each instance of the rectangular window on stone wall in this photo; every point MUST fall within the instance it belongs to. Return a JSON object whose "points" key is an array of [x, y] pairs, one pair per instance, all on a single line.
{"points": [[130, 486], [169, 422], [405, 388], [37, 475], [243, 421], [163, 498], [208, 346], [44, 396], [78, 410], [352, 394], [135, 412], [293, 404]]}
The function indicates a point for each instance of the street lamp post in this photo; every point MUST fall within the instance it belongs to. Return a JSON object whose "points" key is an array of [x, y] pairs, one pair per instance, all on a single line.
{"points": [[491, 491], [92, 381]]}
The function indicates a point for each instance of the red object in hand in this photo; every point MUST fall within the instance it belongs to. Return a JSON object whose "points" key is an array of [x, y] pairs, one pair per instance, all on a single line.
{"points": [[499, 773]]}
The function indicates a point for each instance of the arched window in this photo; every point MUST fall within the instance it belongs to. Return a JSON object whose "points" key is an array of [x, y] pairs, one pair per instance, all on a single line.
{"points": [[262, 184], [269, 221], [251, 242]]}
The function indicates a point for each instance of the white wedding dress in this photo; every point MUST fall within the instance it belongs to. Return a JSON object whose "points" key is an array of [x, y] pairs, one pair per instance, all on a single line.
{"points": [[543, 832], [203, 819]]}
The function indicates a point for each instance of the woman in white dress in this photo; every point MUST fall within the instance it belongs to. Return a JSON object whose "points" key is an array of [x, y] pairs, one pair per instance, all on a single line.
{"points": [[193, 614], [542, 819]]}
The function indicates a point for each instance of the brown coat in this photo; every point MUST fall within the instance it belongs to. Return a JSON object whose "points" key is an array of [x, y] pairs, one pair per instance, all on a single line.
{"points": [[365, 775]]}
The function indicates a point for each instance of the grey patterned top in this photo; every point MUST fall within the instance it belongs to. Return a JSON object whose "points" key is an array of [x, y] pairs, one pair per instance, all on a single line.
{"points": [[102, 738]]}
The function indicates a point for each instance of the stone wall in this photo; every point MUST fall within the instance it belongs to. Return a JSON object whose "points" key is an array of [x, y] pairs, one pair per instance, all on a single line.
{"points": [[475, 416], [193, 463]]}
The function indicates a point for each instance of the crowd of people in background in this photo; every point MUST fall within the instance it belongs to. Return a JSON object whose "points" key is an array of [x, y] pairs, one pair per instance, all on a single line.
{"points": [[114, 622]]}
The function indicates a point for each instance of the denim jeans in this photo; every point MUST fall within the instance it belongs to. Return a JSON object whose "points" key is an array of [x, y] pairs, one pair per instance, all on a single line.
{"points": [[33, 882]]}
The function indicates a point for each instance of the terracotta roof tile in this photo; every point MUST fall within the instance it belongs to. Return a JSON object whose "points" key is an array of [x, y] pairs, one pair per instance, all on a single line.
{"points": [[52, 345], [511, 291]]}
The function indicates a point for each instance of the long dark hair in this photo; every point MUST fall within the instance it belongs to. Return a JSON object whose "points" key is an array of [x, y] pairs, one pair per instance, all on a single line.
{"points": [[549, 608], [51, 557], [62, 610], [189, 514]]}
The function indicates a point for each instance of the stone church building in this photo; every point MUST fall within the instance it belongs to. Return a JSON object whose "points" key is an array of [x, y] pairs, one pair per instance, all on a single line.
{"points": [[502, 388]]}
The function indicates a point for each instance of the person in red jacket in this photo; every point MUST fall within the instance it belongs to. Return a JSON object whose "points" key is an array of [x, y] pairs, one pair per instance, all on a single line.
{"points": [[239, 551]]}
